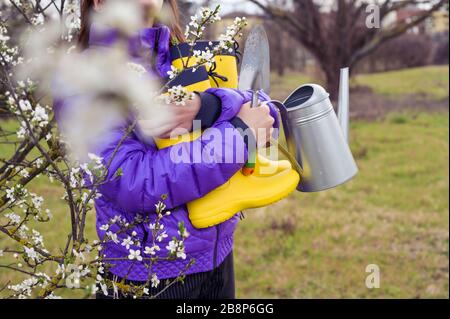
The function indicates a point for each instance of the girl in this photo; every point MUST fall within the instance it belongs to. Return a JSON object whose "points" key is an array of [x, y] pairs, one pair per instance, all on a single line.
{"points": [[149, 173]]}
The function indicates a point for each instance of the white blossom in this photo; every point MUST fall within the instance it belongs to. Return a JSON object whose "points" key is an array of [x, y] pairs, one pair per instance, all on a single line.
{"points": [[14, 218], [25, 287], [155, 281], [113, 237], [38, 162], [173, 72], [61, 270], [21, 133], [204, 57], [31, 253], [176, 248], [73, 278], [53, 296], [38, 19], [161, 236], [37, 238], [25, 105], [10, 194], [160, 207], [40, 116], [151, 250], [178, 95], [127, 242], [135, 254], [24, 173], [37, 201]]}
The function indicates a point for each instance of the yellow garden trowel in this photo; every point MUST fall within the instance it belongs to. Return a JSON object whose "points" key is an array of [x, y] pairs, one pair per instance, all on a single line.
{"points": [[261, 182]]}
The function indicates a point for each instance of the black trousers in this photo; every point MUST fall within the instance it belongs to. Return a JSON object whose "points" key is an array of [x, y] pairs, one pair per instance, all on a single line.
{"points": [[215, 284]]}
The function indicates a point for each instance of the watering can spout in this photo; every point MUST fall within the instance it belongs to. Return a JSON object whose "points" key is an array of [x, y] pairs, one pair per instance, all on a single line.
{"points": [[344, 93]]}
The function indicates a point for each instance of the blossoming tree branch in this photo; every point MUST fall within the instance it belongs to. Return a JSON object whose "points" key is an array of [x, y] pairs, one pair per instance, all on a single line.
{"points": [[105, 87]]}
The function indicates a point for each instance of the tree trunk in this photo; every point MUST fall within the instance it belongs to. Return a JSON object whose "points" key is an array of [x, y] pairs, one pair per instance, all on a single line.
{"points": [[280, 69], [332, 82]]}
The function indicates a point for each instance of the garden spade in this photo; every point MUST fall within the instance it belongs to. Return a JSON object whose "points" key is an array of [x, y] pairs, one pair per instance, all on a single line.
{"points": [[255, 66], [255, 74]]}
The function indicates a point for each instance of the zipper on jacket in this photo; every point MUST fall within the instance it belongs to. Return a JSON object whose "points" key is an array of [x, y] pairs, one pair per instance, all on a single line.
{"points": [[215, 246]]}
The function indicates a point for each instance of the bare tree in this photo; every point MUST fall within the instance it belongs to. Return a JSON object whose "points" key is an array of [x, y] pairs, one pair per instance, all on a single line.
{"points": [[340, 36]]}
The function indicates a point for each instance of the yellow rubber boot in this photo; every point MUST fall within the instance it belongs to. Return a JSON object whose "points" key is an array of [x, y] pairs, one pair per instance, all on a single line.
{"points": [[271, 182]]}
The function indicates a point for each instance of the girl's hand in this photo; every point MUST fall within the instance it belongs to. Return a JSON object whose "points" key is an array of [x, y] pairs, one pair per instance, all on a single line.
{"points": [[259, 120], [178, 122]]}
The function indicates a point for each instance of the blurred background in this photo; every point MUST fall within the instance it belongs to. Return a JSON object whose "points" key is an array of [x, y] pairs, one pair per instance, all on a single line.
{"points": [[395, 213]]}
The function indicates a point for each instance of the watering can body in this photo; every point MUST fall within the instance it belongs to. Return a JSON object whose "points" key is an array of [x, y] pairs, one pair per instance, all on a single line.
{"points": [[314, 134]]}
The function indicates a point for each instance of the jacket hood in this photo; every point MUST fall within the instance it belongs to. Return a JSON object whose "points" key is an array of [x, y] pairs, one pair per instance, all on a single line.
{"points": [[148, 47]]}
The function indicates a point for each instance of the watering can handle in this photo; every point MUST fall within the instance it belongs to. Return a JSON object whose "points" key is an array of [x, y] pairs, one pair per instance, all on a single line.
{"points": [[283, 114], [287, 133]]}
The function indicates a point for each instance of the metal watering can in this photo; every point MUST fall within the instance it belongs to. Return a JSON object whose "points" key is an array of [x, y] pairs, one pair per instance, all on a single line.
{"points": [[317, 137]]}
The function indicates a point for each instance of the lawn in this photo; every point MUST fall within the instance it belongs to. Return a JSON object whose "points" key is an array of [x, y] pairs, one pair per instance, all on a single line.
{"points": [[395, 213], [429, 82]]}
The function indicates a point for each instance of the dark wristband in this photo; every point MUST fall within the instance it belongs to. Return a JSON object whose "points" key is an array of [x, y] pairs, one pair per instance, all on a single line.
{"points": [[210, 109]]}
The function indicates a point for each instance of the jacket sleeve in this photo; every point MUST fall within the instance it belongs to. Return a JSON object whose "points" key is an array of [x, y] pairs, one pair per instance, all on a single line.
{"points": [[183, 172], [232, 101]]}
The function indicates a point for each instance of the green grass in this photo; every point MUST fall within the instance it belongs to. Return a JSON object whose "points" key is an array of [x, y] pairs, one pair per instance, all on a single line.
{"points": [[430, 82], [281, 87], [395, 214]]}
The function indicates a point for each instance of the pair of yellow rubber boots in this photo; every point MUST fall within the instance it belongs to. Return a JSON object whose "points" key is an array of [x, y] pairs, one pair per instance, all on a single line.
{"points": [[270, 182]]}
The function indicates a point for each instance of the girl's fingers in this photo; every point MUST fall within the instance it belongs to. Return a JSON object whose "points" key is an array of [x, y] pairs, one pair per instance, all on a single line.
{"points": [[246, 105]]}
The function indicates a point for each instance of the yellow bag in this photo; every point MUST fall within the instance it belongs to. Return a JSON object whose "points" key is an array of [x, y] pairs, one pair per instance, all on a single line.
{"points": [[224, 72], [240, 192]]}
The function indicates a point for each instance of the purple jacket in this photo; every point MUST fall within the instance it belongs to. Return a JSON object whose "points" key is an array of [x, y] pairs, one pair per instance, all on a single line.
{"points": [[149, 173]]}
